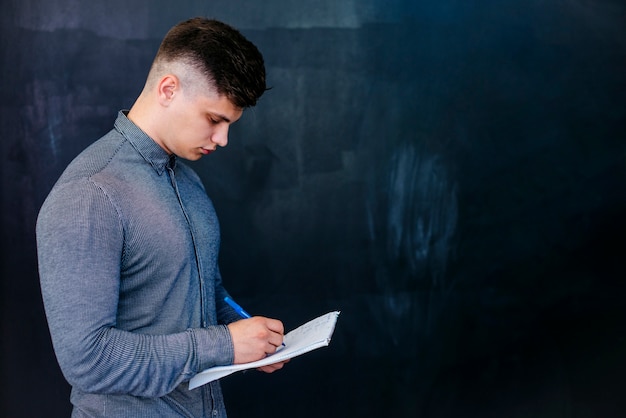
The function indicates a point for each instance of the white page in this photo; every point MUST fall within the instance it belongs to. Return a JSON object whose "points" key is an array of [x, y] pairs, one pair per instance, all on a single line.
{"points": [[307, 337]]}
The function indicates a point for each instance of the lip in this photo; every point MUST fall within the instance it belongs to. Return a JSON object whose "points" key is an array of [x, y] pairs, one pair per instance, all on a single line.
{"points": [[206, 151]]}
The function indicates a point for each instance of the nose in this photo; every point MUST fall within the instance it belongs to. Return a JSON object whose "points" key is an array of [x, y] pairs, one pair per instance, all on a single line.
{"points": [[220, 135]]}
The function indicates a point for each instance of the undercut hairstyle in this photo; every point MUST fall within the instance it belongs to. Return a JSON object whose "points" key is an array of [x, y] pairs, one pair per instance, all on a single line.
{"points": [[229, 62]]}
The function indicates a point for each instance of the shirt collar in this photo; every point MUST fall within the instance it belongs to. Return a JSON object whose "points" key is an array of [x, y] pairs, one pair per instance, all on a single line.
{"points": [[149, 150]]}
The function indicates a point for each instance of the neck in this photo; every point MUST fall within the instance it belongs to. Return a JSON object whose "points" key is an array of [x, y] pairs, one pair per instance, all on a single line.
{"points": [[146, 118]]}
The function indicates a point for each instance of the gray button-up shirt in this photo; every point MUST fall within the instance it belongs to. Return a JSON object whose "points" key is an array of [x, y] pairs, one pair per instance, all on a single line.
{"points": [[128, 244]]}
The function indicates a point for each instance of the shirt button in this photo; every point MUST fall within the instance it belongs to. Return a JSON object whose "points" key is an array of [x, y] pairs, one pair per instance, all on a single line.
{"points": [[215, 412]]}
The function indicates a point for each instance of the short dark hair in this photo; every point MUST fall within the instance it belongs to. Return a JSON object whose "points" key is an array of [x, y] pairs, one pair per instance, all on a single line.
{"points": [[231, 63]]}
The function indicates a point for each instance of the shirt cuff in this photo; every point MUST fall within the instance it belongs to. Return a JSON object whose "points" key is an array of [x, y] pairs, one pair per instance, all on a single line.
{"points": [[213, 347]]}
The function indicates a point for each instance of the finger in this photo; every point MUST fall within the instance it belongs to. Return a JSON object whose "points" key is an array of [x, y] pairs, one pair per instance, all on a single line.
{"points": [[275, 325], [276, 340], [270, 368]]}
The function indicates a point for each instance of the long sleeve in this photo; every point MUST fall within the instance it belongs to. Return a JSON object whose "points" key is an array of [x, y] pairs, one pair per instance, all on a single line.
{"points": [[225, 313], [82, 243]]}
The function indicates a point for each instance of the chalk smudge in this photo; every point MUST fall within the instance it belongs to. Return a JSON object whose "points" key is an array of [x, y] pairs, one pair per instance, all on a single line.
{"points": [[421, 214]]}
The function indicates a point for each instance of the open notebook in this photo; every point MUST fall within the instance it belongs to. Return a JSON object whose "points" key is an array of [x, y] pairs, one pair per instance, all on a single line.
{"points": [[307, 337]]}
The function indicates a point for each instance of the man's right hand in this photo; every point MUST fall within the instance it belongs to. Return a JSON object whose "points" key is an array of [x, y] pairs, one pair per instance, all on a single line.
{"points": [[256, 337]]}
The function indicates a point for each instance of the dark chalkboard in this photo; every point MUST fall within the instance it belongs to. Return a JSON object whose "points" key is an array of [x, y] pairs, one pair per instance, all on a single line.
{"points": [[451, 176]]}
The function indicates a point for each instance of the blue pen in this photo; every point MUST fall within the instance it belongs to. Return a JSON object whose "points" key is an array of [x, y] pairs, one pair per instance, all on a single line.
{"points": [[239, 309]]}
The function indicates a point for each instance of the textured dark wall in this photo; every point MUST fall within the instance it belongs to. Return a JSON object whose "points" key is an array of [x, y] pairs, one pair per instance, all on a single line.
{"points": [[451, 175]]}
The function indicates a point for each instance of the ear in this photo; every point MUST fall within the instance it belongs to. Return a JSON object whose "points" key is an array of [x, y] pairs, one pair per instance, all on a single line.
{"points": [[168, 86]]}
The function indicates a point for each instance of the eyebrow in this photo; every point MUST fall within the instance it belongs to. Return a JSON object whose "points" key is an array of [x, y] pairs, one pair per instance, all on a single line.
{"points": [[218, 116]]}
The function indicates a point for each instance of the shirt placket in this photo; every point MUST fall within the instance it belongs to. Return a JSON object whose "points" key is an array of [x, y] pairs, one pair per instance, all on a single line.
{"points": [[172, 175]]}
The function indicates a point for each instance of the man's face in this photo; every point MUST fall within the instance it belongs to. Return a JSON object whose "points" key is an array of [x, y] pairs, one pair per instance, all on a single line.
{"points": [[198, 124]]}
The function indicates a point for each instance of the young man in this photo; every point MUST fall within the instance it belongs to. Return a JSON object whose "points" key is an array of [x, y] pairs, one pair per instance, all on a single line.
{"points": [[128, 241]]}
